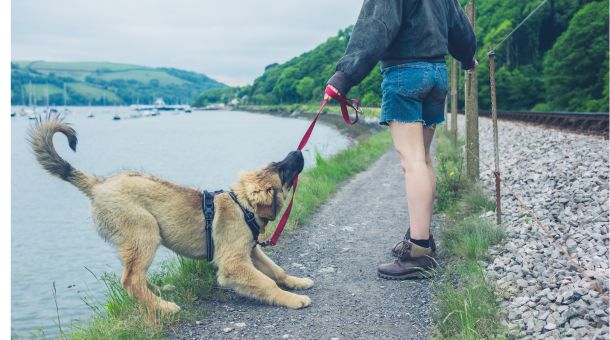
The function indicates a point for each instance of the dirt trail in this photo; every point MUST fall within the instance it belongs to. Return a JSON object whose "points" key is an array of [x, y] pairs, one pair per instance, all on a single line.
{"points": [[339, 250]]}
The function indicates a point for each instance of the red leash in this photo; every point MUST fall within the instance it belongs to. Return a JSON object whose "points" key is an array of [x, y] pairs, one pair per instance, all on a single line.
{"points": [[345, 103]]}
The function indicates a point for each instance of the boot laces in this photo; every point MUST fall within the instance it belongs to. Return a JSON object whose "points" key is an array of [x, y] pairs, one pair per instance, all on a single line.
{"points": [[406, 248]]}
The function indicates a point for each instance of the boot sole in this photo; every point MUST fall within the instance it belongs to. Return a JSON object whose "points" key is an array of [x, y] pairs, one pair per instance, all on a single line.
{"points": [[410, 276]]}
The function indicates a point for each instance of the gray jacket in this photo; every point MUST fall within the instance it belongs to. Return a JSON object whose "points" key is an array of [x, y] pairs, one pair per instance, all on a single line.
{"points": [[398, 31]]}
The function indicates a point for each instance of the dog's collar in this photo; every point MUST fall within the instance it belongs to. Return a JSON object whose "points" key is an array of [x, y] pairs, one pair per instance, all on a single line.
{"points": [[249, 217]]}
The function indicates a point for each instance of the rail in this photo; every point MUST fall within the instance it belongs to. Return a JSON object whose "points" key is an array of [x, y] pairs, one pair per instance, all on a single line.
{"points": [[594, 123]]}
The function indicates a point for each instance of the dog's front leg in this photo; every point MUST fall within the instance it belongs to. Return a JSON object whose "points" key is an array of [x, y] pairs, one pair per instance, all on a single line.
{"points": [[247, 280], [277, 273]]}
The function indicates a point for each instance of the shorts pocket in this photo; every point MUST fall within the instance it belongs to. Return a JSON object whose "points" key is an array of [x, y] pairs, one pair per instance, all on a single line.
{"points": [[414, 82]]}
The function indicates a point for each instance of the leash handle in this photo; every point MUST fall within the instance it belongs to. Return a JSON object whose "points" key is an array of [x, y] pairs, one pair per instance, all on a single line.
{"points": [[345, 103]]}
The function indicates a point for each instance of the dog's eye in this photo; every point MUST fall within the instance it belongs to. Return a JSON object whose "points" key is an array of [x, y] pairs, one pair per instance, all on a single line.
{"points": [[270, 190]]}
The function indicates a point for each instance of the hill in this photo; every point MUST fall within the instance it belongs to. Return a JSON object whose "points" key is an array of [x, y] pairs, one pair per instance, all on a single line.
{"points": [[303, 78], [558, 60], [101, 83]]}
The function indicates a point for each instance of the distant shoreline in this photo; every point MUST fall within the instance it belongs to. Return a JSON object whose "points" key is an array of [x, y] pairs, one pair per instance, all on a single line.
{"points": [[362, 129]]}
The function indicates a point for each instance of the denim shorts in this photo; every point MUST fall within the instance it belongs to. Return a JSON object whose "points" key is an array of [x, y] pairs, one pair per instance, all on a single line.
{"points": [[414, 92]]}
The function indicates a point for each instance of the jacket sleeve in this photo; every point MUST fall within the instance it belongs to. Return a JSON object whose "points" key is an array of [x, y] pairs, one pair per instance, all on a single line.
{"points": [[462, 41], [378, 24]]}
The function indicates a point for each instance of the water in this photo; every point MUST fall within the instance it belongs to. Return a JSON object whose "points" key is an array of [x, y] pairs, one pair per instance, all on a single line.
{"points": [[53, 239]]}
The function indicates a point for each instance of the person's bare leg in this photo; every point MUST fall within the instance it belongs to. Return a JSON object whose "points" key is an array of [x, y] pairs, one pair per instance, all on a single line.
{"points": [[409, 141], [428, 136]]}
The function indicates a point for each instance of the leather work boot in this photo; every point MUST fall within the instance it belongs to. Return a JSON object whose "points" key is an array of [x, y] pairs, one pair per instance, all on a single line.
{"points": [[414, 262], [397, 249]]}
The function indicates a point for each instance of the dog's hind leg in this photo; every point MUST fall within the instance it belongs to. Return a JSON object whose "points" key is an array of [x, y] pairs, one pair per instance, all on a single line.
{"points": [[247, 280], [266, 265], [137, 252]]}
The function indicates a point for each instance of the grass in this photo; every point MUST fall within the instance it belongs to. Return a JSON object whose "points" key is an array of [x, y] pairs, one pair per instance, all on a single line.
{"points": [[142, 75], [92, 92], [121, 317], [466, 302], [39, 92], [84, 66]]}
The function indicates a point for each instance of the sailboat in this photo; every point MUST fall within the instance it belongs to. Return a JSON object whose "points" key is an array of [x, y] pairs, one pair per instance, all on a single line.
{"points": [[30, 111], [48, 111], [65, 110], [90, 115], [22, 110]]}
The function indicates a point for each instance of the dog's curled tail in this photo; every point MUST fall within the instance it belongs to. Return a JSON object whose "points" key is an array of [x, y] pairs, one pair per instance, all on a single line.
{"points": [[41, 139]]}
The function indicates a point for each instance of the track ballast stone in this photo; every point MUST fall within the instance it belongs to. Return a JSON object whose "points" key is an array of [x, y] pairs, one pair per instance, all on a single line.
{"points": [[340, 250], [563, 177]]}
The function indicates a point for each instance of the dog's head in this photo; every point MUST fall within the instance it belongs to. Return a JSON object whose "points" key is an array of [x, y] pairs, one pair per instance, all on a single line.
{"points": [[266, 189]]}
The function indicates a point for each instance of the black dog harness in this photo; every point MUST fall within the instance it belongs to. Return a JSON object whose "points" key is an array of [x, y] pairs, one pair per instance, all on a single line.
{"points": [[207, 204]]}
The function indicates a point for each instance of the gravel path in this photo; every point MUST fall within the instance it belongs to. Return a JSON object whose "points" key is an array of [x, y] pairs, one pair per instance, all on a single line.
{"points": [[339, 250], [563, 177]]}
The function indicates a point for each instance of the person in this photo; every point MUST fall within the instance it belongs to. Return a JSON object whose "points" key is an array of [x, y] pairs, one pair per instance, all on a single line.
{"points": [[411, 39]]}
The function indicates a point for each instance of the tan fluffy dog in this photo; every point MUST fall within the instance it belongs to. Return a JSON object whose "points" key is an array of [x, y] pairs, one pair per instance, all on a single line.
{"points": [[137, 213]]}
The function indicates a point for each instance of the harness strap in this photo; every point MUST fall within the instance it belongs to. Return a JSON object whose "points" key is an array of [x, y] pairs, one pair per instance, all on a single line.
{"points": [[249, 217], [207, 203], [345, 103]]}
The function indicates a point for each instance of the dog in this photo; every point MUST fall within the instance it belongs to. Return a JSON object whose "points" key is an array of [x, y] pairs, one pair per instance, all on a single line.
{"points": [[138, 212]]}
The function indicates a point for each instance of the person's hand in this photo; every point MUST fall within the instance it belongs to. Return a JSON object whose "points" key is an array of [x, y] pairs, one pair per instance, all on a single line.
{"points": [[329, 98], [474, 67]]}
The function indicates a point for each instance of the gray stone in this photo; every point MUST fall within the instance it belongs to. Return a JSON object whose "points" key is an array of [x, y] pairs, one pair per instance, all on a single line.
{"points": [[550, 326], [571, 244], [578, 323], [326, 270]]}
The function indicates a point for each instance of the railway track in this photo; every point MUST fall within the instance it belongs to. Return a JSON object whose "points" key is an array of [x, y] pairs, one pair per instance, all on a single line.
{"points": [[594, 123]]}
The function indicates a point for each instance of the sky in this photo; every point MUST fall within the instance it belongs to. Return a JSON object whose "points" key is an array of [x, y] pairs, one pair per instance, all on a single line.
{"points": [[231, 41]]}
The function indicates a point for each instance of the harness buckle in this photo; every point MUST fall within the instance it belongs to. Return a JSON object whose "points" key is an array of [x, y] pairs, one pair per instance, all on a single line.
{"points": [[250, 217]]}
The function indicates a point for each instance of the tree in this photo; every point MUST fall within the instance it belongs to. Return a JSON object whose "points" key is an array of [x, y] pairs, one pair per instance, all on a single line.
{"points": [[285, 88], [576, 68], [305, 88]]}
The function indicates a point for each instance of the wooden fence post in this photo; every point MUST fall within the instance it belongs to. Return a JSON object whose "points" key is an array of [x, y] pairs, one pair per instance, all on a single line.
{"points": [[472, 113], [494, 117], [446, 113], [454, 101]]}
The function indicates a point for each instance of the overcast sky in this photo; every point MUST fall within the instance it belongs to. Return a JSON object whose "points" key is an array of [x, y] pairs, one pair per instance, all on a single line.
{"points": [[231, 41]]}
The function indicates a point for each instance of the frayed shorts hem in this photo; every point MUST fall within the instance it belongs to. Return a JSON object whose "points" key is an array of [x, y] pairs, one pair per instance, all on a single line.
{"points": [[427, 125]]}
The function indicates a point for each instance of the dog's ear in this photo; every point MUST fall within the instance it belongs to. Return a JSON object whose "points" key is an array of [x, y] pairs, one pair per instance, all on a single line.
{"points": [[262, 194]]}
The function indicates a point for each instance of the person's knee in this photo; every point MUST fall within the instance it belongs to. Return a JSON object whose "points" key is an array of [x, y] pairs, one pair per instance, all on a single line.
{"points": [[413, 166]]}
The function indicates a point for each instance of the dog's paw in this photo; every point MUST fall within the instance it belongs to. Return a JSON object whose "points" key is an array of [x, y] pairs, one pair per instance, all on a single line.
{"points": [[293, 282], [169, 307], [298, 301]]}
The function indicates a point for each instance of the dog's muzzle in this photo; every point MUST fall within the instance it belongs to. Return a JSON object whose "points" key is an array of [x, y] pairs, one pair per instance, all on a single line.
{"points": [[290, 167]]}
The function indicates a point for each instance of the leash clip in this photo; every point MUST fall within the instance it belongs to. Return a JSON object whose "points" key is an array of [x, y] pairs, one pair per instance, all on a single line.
{"points": [[264, 244]]}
